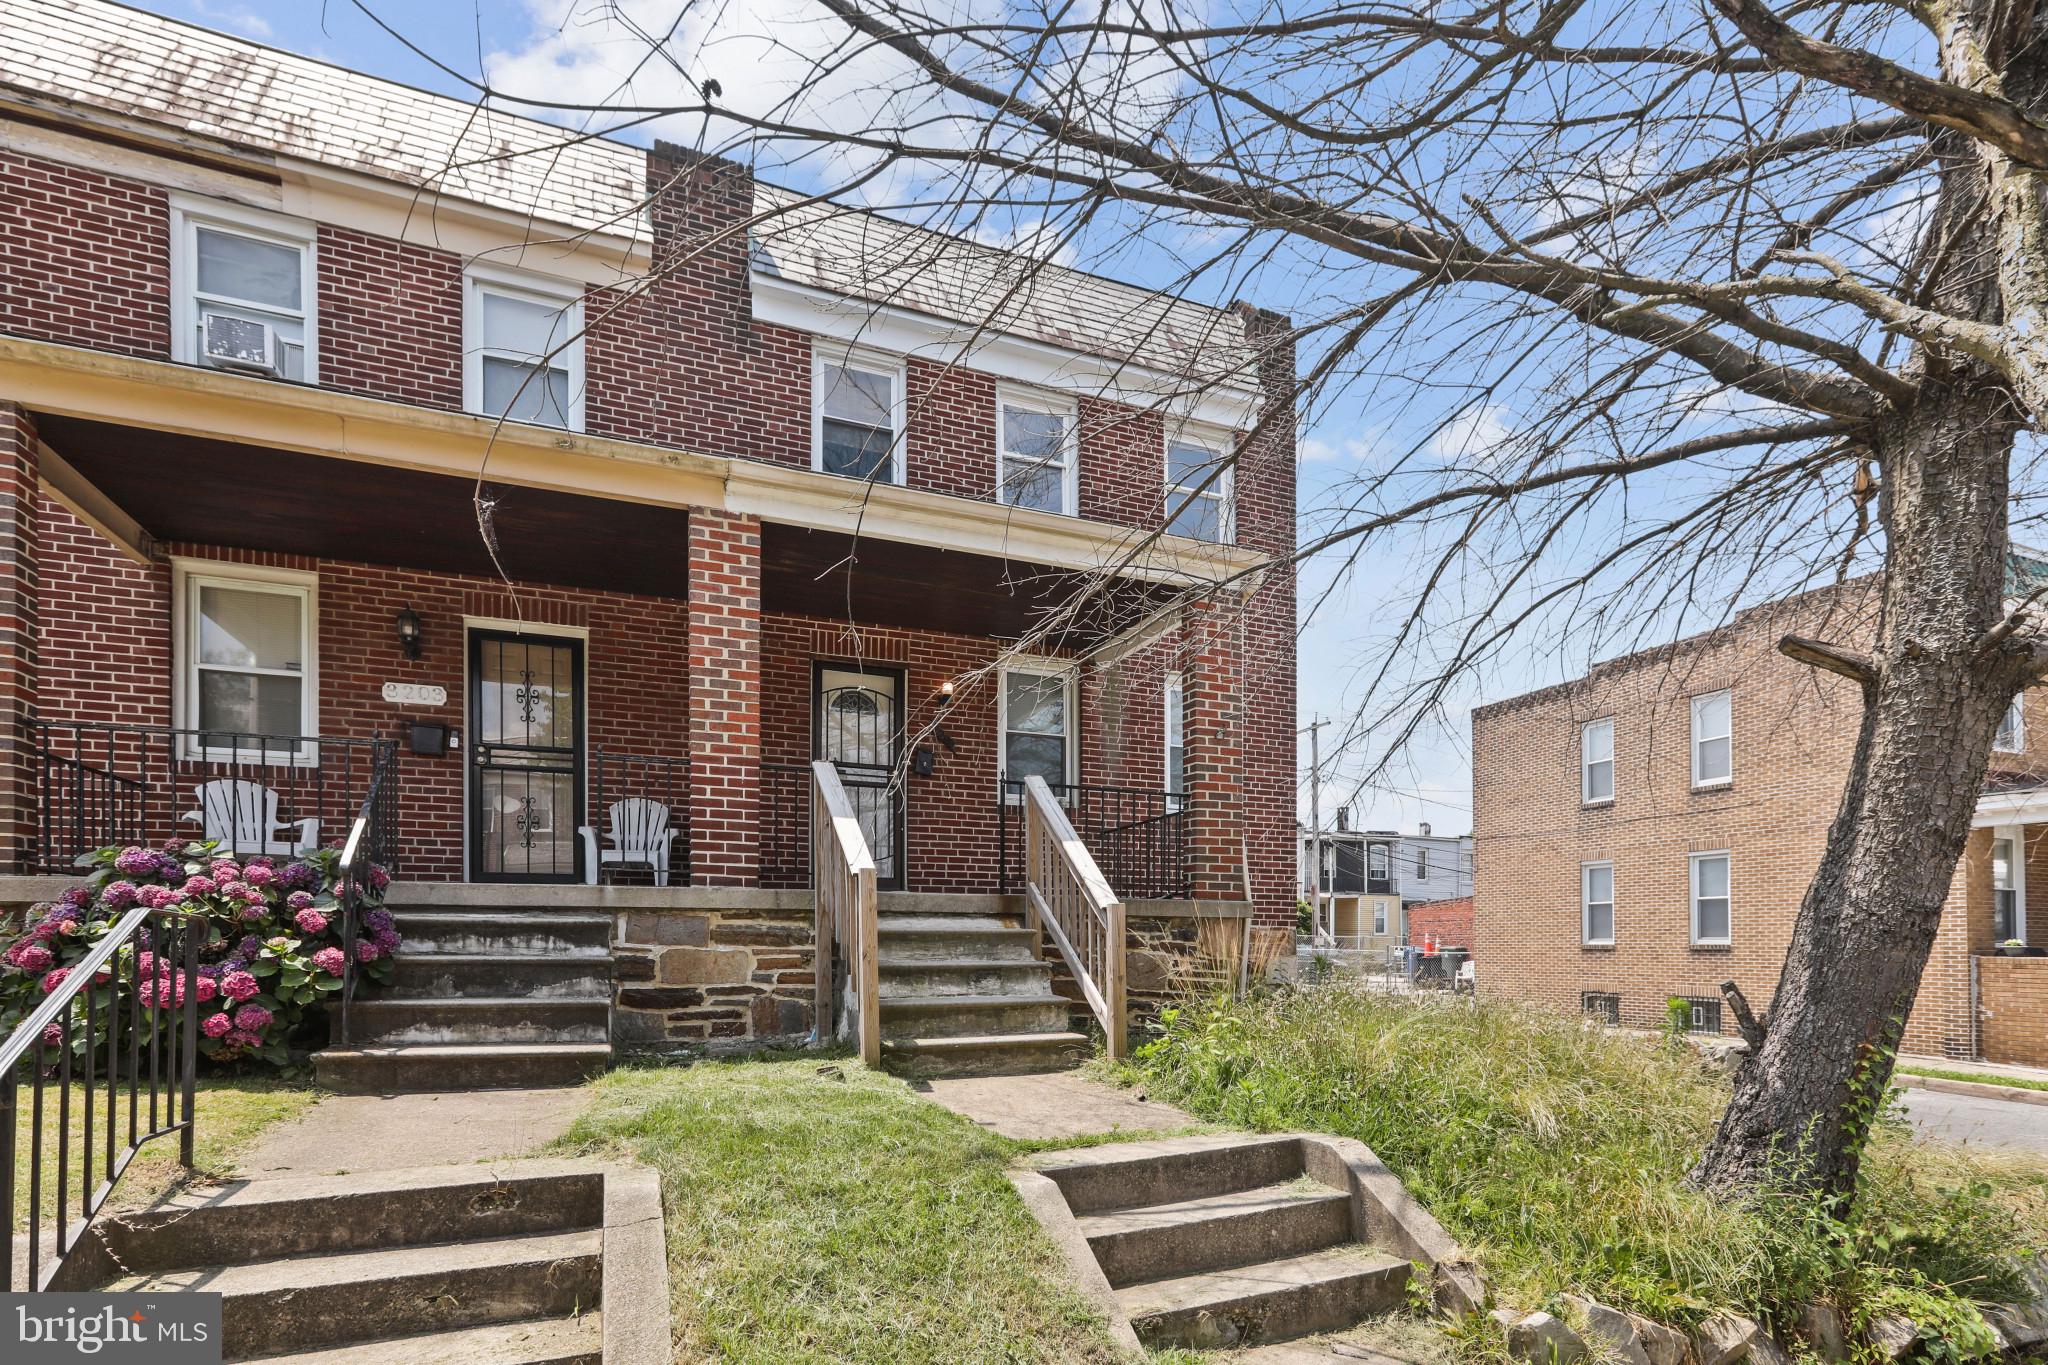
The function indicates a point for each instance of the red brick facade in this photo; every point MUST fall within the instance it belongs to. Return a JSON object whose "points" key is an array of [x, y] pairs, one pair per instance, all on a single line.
{"points": [[675, 359], [1448, 923]]}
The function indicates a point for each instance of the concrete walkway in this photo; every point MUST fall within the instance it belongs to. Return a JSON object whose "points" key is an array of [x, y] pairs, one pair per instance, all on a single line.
{"points": [[345, 1133], [1057, 1104], [1981, 1121]]}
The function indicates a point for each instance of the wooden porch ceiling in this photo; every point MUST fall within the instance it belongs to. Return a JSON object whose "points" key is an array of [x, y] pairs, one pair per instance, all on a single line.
{"points": [[206, 492]]}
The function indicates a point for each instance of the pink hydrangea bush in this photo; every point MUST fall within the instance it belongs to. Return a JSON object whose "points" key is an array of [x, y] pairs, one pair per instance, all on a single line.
{"points": [[270, 959]]}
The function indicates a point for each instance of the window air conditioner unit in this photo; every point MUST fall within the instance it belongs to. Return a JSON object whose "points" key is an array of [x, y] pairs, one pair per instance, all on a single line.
{"points": [[238, 343]]}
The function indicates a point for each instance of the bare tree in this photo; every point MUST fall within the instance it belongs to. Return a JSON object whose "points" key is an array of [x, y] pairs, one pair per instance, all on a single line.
{"points": [[1653, 306]]}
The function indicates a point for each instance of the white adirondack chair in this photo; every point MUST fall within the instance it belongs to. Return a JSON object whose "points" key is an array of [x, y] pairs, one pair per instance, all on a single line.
{"points": [[241, 816], [641, 832]]}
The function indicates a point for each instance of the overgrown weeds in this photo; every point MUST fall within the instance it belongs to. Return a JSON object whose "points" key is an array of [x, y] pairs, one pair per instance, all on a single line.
{"points": [[1557, 1150]]}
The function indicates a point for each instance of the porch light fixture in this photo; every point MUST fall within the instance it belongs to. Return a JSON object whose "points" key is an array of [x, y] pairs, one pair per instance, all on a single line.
{"points": [[408, 622], [946, 692]]}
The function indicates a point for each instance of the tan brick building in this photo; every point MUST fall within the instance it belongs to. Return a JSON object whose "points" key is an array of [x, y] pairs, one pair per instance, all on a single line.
{"points": [[1646, 832]]}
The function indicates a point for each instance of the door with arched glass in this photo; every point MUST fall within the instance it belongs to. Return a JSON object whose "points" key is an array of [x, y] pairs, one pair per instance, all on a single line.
{"points": [[857, 723]]}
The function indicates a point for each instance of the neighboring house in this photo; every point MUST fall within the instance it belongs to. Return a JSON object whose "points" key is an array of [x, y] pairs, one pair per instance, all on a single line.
{"points": [[1447, 923], [1433, 867], [1370, 875], [1648, 831], [755, 490]]}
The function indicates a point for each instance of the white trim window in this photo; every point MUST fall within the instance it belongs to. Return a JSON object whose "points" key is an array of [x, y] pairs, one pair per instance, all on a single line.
{"points": [[1710, 899], [522, 347], [1713, 754], [2008, 884], [1176, 741], [1596, 904], [2012, 729], [1596, 762], [857, 414], [1422, 862], [1198, 505], [245, 646], [1378, 865], [244, 291], [1036, 724], [1036, 451], [1379, 919]]}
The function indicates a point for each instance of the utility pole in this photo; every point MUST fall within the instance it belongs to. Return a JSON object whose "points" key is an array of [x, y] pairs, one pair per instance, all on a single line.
{"points": [[1315, 826]]}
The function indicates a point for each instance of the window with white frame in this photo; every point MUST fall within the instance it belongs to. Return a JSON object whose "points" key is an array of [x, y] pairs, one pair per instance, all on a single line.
{"points": [[1421, 863], [857, 415], [2004, 890], [2012, 730], [1037, 724], [243, 290], [1596, 762], [1176, 741], [1198, 489], [1379, 918], [1376, 862], [523, 348], [245, 658], [1710, 898], [1596, 903], [1712, 752], [1035, 452]]}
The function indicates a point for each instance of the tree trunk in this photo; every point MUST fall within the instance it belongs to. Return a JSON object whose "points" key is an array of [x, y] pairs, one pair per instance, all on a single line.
{"points": [[1868, 920]]}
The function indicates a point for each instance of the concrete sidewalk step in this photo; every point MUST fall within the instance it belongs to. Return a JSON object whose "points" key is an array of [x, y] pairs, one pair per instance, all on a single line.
{"points": [[390, 1069], [357, 1296], [512, 933], [1218, 1231], [951, 1016], [943, 904], [911, 978], [417, 975], [266, 1219], [539, 1341], [949, 927], [1322, 1291], [1129, 1175], [1000, 1054], [480, 1020]]}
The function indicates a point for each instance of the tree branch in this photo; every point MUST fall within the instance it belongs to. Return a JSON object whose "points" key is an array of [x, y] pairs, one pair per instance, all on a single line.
{"points": [[1833, 658], [1746, 1023]]}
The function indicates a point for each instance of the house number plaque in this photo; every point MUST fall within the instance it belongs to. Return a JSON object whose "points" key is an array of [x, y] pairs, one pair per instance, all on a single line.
{"points": [[415, 694]]}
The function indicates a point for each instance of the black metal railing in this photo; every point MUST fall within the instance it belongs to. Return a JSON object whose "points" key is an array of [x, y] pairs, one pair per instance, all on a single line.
{"points": [[366, 850], [82, 1056], [102, 785], [640, 818], [1138, 836], [785, 821]]}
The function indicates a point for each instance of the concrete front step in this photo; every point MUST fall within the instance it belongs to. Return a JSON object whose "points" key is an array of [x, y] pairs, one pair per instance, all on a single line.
{"points": [[1130, 1175], [1322, 1291], [955, 1016], [947, 903], [386, 1070], [480, 1020], [911, 978], [922, 939], [503, 934], [1271, 1222], [499, 975], [259, 1220], [1009, 1054], [575, 1340], [277, 1306]]}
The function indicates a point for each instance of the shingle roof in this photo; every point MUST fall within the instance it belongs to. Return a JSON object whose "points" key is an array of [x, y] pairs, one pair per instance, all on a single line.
{"points": [[147, 66]]}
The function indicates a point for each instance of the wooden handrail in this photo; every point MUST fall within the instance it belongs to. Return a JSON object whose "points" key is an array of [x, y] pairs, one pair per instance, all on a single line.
{"points": [[843, 881], [1071, 901]]}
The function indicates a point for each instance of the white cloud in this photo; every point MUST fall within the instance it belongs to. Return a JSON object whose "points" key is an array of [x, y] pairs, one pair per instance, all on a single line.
{"points": [[1035, 237], [1479, 433], [234, 18]]}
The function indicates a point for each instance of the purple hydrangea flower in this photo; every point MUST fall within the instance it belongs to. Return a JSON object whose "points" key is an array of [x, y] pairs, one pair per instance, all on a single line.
{"points": [[330, 961], [299, 877], [30, 957], [253, 1019], [119, 895], [248, 948], [200, 886], [77, 898], [215, 1025], [367, 950], [239, 986], [135, 862], [310, 921], [259, 874], [300, 900]]}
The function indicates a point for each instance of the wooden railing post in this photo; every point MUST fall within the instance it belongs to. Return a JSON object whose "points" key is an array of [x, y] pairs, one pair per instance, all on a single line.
{"points": [[1116, 1030], [1071, 900], [843, 890]]}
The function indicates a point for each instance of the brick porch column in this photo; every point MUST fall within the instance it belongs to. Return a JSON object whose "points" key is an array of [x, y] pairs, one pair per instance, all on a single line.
{"points": [[18, 494], [725, 699], [1213, 726]]}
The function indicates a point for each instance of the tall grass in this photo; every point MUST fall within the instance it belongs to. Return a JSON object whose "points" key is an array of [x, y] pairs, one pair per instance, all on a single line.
{"points": [[1557, 1150]]}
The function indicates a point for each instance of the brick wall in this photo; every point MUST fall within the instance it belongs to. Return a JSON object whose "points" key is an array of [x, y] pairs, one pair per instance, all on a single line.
{"points": [[724, 680], [1448, 922], [390, 319], [85, 256], [20, 606], [2013, 997]]}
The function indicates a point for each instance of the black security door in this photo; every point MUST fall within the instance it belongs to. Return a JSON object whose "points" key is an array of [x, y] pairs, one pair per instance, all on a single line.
{"points": [[525, 758]]}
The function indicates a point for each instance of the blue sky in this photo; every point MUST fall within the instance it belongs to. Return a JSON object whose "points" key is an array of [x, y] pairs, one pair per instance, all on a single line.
{"points": [[527, 45]]}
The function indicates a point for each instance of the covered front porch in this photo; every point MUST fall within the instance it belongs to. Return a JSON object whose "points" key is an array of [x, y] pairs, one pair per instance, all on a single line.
{"points": [[1994, 933]]}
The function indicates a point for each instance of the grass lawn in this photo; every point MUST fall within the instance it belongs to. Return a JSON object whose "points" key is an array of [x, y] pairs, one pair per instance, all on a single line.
{"points": [[1978, 1077], [819, 1212], [1557, 1151], [231, 1113]]}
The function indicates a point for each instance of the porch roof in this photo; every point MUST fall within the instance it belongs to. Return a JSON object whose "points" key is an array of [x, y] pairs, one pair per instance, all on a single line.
{"points": [[2011, 798]]}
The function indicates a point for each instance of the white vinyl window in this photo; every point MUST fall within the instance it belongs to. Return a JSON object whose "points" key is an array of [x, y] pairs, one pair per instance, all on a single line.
{"points": [[1376, 863], [523, 348], [1176, 741], [1379, 918], [1421, 864], [1710, 923], [1197, 505], [1712, 754], [857, 415], [243, 290], [1596, 762], [1037, 725], [2012, 730], [1035, 452], [1596, 903], [246, 672]]}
